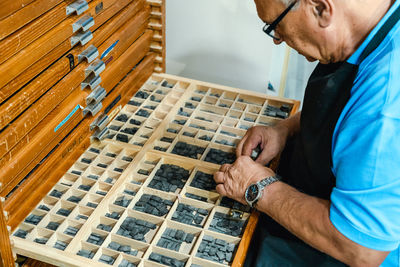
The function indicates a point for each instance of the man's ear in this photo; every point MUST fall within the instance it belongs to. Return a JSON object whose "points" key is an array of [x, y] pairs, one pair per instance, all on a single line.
{"points": [[322, 10]]}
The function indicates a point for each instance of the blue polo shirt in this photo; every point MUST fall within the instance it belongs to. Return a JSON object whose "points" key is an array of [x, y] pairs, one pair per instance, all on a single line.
{"points": [[366, 151]]}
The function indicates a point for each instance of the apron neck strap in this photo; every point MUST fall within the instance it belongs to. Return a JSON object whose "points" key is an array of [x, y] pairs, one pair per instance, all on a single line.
{"points": [[381, 34]]}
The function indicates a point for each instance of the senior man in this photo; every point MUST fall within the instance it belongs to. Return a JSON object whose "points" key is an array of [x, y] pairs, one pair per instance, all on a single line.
{"points": [[338, 199]]}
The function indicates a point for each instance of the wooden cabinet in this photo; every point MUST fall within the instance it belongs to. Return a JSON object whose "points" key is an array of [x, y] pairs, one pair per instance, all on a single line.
{"points": [[89, 123]]}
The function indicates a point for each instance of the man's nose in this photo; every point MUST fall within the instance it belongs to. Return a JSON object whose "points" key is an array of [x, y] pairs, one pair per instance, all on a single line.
{"points": [[278, 41]]}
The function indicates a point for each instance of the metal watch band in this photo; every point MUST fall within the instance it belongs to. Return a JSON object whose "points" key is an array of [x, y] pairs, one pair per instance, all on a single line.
{"points": [[269, 180], [264, 183]]}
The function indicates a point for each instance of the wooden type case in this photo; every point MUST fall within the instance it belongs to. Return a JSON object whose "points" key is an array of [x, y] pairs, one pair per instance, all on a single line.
{"points": [[54, 182], [104, 186]]}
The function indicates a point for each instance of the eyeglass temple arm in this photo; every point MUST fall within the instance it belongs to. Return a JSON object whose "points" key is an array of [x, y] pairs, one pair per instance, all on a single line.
{"points": [[275, 23]]}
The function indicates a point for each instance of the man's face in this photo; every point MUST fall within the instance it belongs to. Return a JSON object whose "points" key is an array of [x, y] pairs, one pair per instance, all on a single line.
{"points": [[299, 29]]}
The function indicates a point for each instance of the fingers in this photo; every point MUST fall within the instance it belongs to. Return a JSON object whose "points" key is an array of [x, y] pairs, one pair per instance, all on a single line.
{"points": [[265, 156], [225, 167], [221, 189], [246, 145], [219, 177], [239, 147], [249, 145]]}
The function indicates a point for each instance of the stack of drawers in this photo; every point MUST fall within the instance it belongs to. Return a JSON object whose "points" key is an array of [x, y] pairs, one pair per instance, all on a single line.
{"points": [[65, 68]]}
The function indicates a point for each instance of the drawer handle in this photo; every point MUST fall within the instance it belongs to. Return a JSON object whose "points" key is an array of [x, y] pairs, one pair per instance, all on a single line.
{"points": [[82, 38], [96, 96], [100, 135], [92, 81], [83, 23], [100, 122], [96, 68], [79, 7], [92, 108], [89, 54]]}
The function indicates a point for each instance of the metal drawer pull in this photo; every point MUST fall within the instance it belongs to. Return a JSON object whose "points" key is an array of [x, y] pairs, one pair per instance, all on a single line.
{"points": [[84, 23], [96, 96], [79, 7], [93, 108], [89, 54], [82, 38], [96, 68], [100, 122], [92, 81], [100, 135]]}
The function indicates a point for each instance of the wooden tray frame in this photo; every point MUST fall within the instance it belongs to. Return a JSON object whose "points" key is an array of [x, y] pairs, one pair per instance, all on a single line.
{"points": [[183, 89]]}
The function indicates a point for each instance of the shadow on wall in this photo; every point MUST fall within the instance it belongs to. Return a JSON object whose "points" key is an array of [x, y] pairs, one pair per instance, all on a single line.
{"points": [[221, 68]]}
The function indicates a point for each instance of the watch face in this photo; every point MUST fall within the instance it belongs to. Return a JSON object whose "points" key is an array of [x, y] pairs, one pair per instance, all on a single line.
{"points": [[252, 192]]}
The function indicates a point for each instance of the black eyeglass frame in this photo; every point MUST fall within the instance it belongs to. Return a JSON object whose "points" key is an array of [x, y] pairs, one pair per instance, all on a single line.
{"points": [[268, 28]]}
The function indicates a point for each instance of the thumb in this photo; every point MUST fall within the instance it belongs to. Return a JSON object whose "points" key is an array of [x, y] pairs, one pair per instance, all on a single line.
{"points": [[265, 156], [249, 145], [221, 189]]}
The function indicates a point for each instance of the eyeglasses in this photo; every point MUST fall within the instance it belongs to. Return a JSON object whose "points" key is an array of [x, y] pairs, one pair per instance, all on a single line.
{"points": [[270, 28]]}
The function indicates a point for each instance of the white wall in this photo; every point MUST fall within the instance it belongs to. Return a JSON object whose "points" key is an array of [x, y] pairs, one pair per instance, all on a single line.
{"points": [[222, 42]]}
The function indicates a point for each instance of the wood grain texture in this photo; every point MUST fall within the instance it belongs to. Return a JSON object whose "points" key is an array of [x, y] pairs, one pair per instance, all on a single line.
{"points": [[27, 14], [20, 160], [8, 7], [18, 82], [158, 24], [6, 255], [43, 45], [39, 142], [28, 74], [35, 263], [125, 36], [21, 202], [125, 62], [23, 99], [241, 252], [21, 38], [30, 119]]}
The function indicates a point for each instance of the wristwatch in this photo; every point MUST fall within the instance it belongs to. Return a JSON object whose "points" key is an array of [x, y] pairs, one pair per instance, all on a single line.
{"points": [[254, 192]]}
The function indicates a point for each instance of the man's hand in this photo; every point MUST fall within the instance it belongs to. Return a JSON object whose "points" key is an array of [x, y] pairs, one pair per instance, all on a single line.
{"points": [[233, 179], [272, 141]]}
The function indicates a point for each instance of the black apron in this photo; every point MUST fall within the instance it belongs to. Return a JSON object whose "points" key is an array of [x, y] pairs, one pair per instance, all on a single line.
{"points": [[306, 161]]}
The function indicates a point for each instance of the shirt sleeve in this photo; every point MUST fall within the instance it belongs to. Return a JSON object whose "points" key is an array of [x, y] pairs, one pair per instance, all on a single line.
{"points": [[365, 204]]}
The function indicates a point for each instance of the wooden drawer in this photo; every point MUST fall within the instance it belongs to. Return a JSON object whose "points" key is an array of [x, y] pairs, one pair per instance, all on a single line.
{"points": [[62, 98], [116, 176]]}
